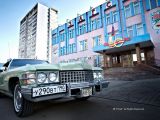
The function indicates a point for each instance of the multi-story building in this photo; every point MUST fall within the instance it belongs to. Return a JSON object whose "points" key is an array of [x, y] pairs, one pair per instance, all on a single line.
{"points": [[116, 33], [35, 32]]}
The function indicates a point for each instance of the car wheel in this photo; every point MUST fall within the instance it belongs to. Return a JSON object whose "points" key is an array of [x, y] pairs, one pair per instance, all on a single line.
{"points": [[82, 98], [1, 95], [22, 107]]}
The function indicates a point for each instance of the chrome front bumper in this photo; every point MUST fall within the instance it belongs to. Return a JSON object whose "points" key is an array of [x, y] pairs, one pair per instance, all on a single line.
{"points": [[73, 90]]}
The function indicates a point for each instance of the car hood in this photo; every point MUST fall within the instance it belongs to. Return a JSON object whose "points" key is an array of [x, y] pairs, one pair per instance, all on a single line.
{"points": [[60, 66], [75, 66], [37, 67]]}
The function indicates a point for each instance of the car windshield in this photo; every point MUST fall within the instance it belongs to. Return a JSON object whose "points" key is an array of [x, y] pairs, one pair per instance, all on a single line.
{"points": [[22, 62]]}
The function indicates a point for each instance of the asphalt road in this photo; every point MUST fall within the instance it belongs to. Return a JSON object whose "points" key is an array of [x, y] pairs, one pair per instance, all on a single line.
{"points": [[112, 104]]}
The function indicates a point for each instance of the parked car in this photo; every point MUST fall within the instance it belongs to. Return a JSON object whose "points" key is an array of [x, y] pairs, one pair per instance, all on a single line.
{"points": [[32, 80]]}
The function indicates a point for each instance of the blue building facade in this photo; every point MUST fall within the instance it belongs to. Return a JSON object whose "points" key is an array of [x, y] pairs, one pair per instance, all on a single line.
{"points": [[116, 33]]}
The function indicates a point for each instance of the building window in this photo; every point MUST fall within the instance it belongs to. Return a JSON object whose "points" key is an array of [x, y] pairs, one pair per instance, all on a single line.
{"points": [[98, 23], [54, 40], [108, 19], [136, 8], [130, 31], [139, 29], [62, 37], [142, 56], [64, 50], [82, 29], [74, 47], [134, 57], [93, 23], [99, 40], [71, 33], [70, 49], [94, 41], [98, 59], [127, 11], [153, 3], [61, 51], [115, 16], [83, 45], [95, 61]]}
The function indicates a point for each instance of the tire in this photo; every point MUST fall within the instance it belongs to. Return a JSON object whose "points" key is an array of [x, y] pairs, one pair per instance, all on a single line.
{"points": [[82, 98], [1, 95], [22, 107]]}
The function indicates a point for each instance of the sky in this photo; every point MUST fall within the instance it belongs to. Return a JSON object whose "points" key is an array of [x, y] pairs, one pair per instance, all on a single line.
{"points": [[12, 11]]}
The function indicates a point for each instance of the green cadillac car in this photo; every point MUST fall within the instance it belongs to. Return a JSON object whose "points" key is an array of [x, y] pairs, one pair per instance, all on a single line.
{"points": [[31, 80]]}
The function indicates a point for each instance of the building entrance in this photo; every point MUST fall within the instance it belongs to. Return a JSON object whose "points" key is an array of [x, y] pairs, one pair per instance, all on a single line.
{"points": [[121, 60], [128, 58], [116, 61]]}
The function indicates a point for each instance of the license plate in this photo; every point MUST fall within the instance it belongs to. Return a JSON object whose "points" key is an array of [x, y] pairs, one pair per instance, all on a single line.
{"points": [[86, 92], [41, 91]]}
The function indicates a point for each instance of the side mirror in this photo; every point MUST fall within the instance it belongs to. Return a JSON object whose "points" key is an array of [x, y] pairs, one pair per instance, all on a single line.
{"points": [[2, 69]]}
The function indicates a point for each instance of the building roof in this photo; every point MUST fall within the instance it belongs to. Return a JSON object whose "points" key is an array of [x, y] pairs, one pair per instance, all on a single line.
{"points": [[35, 7]]}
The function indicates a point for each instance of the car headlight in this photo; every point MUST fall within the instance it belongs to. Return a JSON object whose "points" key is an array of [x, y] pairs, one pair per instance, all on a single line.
{"points": [[95, 75], [98, 75], [28, 78], [53, 77], [41, 77], [31, 75]]}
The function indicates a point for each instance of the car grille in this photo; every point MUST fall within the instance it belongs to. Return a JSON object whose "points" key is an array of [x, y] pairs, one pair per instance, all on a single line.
{"points": [[76, 76]]}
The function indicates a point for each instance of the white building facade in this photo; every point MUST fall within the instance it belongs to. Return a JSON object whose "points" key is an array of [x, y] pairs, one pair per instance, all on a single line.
{"points": [[35, 32]]}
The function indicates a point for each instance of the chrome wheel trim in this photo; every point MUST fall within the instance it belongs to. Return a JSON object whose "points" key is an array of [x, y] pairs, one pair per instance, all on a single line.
{"points": [[17, 99]]}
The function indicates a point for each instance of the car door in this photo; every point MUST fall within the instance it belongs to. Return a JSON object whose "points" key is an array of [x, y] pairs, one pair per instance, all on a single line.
{"points": [[2, 74]]}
